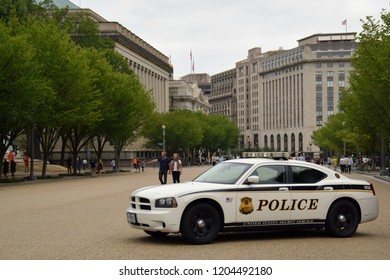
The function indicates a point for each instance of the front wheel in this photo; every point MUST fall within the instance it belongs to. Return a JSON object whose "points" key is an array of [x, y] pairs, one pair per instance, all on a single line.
{"points": [[200, 224], [342, 219]]}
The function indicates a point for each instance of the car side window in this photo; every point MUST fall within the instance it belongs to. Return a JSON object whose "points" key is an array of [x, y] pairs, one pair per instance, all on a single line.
{"points": [[306, 175], [271, 174]]}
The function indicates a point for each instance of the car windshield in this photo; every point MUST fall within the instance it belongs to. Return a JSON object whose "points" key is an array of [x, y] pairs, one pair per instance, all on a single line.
{"points": [[224, 173]]}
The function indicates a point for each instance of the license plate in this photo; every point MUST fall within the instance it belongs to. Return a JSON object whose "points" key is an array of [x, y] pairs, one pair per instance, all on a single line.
{"points": [[132, 218]]}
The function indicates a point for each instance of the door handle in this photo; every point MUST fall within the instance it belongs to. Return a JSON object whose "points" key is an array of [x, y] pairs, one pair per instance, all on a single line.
{"points": [[328, 188], [284, 189]]}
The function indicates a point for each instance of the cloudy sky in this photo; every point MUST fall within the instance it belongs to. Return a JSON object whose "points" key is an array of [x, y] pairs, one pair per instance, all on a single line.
{"points": [[220, 32]]}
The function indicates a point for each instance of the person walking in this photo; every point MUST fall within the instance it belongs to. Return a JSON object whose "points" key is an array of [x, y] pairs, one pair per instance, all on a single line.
{"points": [[164, 167], [175, 168], [78, 165], [113, 164], [5, 168], [26, 161], [13, 168], [92, 164], [100, 167], [69, 165]]}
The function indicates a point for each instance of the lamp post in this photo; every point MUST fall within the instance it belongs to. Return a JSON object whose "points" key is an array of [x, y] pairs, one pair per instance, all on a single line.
{"points": [[163, 131], [343, 139], [32, 176]]}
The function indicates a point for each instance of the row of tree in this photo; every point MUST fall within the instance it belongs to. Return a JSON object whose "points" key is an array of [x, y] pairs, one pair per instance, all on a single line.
{"points": [[66, 85], [185, 130], [62, 81], [363, 124]]}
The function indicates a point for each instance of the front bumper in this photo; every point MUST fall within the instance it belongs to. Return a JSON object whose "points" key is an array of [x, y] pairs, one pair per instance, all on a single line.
{"points": [[164, 220]]}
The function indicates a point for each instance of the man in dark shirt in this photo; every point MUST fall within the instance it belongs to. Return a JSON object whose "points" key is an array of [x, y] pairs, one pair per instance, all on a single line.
{"points": [[164, 167]]}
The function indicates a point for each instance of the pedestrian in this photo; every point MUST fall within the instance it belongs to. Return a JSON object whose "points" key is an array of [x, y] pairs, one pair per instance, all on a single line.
{"points": [[164, 167], [113, 164], [26, 161], [13, 168], [84, 163], [135, 164], [78, 165], [175, 168], [69, 165], [335, 161], [143, 165], [138, 170], [350, 164], [92, 164], [100, 167], [11, 156], [5, 168], [342, 164]]}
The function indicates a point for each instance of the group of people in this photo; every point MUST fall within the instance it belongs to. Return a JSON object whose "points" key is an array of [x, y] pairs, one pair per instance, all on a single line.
{"points": [[95, 165], [9, 164], [167, 166], [346, 163], [138, 165]]}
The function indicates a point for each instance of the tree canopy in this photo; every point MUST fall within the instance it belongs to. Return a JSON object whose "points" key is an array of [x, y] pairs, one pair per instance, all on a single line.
{"points": [[365, 104]]}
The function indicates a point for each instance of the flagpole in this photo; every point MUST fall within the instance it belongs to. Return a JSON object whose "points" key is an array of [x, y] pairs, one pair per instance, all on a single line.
{"points": [[191, 66]]}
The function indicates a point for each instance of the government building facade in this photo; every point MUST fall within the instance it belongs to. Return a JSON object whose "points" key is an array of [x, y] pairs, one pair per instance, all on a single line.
{"points": [[283, 96]]}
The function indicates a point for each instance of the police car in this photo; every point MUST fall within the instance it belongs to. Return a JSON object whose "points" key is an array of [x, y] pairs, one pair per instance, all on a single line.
{"points": [[255, 194]]}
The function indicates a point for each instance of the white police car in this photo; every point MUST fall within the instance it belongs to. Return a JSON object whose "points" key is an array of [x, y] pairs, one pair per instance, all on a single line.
{"points": [[255, 194]]}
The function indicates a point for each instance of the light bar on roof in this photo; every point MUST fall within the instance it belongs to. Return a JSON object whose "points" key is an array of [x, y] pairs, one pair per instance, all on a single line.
{"points": [[265, 154]]}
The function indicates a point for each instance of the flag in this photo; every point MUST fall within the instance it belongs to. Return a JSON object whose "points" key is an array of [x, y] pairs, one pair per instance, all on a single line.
{"points": [[344, 22]]}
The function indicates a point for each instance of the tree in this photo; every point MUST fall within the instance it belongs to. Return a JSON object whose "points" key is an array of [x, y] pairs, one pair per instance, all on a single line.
{"points": [[219, 133], [21, 9], [22, 88], [367, 102], [125, 106], [186, 131]]}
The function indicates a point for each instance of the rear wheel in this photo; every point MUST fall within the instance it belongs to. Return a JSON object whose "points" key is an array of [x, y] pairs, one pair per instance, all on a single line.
{"points": [[343, 219], [200, 224]]}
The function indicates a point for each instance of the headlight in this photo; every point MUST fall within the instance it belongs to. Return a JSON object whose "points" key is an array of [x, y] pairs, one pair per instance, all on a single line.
{"points": [[167, 202]]}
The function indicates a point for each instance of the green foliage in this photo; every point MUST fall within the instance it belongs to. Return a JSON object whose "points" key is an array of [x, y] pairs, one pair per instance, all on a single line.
{"points": [[22, 87], [367, 102], [186, 130]]}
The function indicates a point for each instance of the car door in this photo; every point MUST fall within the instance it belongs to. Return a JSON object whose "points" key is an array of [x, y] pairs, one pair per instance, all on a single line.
{"points": [[262, 203], [310, 197]]}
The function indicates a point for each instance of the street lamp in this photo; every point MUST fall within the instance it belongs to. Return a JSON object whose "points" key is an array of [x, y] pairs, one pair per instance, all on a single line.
{"points": [[163, 131], [343, 139]]}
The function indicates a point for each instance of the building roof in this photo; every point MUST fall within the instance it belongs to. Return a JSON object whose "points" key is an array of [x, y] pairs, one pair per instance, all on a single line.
{"points": [[62, 4]]}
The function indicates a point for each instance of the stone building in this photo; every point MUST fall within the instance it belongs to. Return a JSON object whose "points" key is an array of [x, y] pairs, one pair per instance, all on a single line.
{"points": [[187, 96], [202, 79], [285, 95], [223, 97]]}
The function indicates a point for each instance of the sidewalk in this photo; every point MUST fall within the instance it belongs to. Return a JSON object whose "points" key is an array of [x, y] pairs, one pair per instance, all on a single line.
{"points": [[61, 173]]}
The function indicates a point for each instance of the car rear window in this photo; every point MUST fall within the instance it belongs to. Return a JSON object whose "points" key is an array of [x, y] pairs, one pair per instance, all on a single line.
{"points": [[306, 175]]}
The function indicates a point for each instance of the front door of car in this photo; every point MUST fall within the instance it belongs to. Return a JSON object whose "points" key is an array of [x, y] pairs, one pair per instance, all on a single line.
{"points": [[264, 203]]}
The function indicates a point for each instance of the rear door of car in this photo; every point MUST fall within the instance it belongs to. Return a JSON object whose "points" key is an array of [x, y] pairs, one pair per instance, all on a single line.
{"points": [[310, 196]]}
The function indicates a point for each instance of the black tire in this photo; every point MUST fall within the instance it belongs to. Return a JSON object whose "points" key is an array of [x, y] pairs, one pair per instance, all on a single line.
{"points": [[157, 234], [200, 224], [343, 219]]}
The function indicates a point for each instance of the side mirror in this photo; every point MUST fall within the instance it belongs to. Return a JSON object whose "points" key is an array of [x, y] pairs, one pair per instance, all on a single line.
{"points": [[252, 180]]}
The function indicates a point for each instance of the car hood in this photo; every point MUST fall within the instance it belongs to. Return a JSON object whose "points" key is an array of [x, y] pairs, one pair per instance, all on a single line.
{"points": [[176, 190]]}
